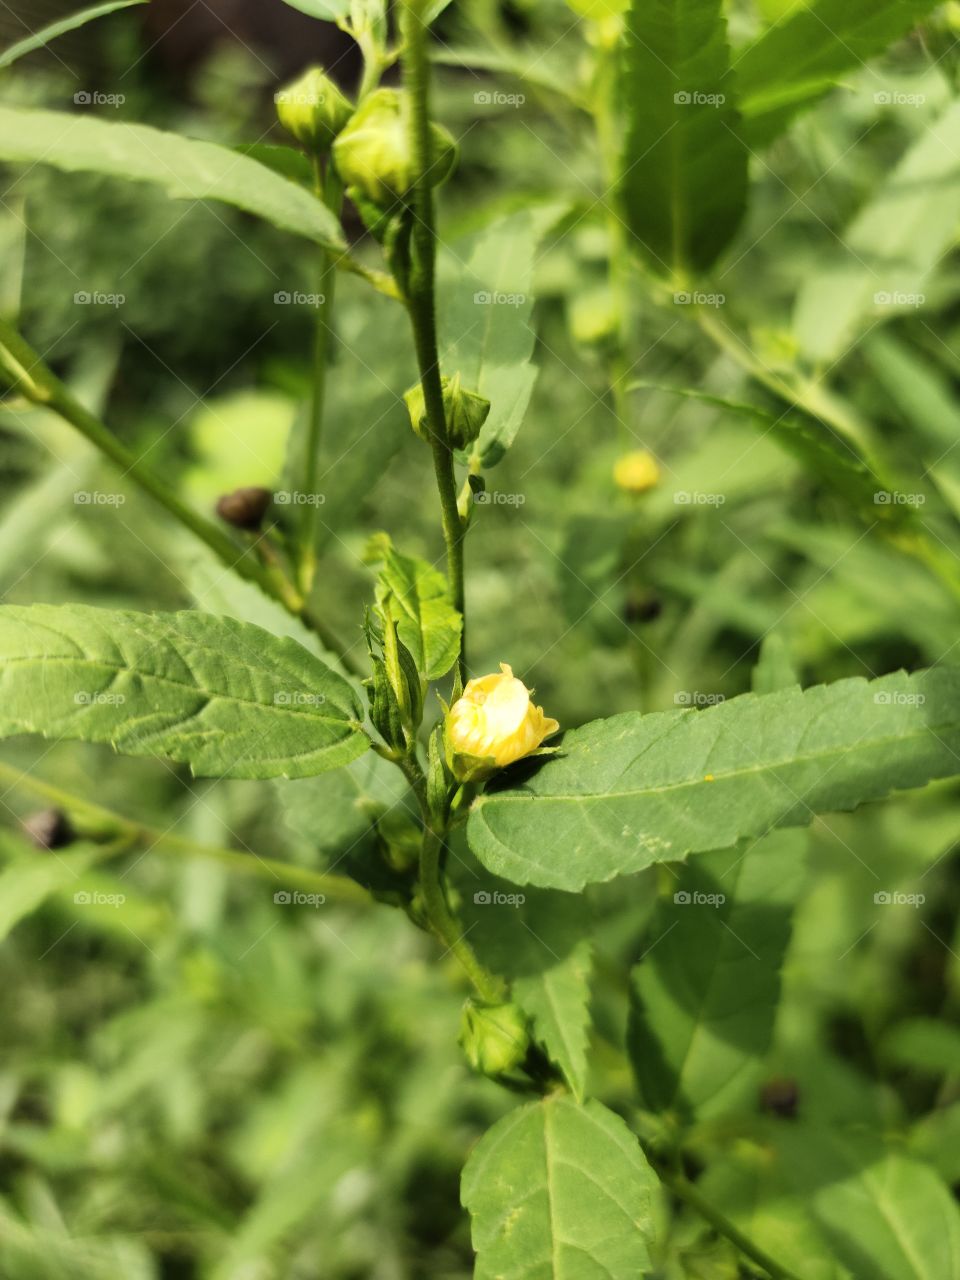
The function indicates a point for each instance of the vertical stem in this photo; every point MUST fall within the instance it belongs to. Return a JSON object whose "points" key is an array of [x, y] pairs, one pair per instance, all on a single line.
{"points": [[446, 927], [330, 192], [421, 299]]}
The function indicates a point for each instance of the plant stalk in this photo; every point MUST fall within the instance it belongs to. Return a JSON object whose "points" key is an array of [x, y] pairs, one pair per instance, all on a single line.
{"points": [[28, 374], [421, 302], [104, 823]]}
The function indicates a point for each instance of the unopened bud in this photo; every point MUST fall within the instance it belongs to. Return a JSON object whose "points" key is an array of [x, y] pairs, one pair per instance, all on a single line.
{"points": [[373, 154], [494, 1037], [244, 508], [465, 412], [636, 472], [49, 829], [313, 109], [780, 1096]]}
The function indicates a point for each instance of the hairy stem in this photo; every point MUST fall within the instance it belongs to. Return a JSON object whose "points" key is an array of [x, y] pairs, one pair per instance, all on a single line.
{"points": [[421, 300], [93, 819], [28, 374]]}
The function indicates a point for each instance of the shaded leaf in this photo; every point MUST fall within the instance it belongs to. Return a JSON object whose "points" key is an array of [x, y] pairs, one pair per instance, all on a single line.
{"points": [[50, 32]]}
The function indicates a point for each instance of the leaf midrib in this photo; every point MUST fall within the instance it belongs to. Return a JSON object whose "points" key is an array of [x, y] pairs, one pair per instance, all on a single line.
{"points": [[182, 684], [806, 758]]}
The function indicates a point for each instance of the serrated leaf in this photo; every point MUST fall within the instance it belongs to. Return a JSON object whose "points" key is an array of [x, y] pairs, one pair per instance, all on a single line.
{"points": [[187, 169], [892, 247], [539, 940], [705, 994], [684, 184], [633, 790], [50, 32], [428, 623], [557, 1191], [485, 304], [797, 60], [225, 697]]}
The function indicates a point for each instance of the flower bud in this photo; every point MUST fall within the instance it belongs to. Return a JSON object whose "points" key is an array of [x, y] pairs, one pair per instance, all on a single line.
{"points": [[465, 412], [244, 508], [373, 154], [636, 472], [493, 724], [313, 109], [49, 829], [494, 1037]]}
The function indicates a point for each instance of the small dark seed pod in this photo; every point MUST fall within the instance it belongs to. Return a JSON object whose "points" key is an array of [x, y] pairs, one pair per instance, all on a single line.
{"points": [[780, 1097], [49, 829], [244, 508]]}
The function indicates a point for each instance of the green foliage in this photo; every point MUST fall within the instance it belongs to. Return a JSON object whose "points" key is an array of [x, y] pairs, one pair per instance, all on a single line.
{"points": [[419, 602], [554, 1189], [220, 695], [798, 59], [684, 180], [633, 790], [41, 38], [185, 168]]}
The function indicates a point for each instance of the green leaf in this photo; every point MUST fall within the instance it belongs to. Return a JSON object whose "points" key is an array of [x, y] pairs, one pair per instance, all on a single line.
{"points": [[799, 59], [633, 790], [31, 877], [539, 941], [841, 461], [428, 623], [705, 995], [485, 305], [184, 167], [43, 37], [561, 1191], [885, 1215], [225, 697], [684, 184], [892, 247]]}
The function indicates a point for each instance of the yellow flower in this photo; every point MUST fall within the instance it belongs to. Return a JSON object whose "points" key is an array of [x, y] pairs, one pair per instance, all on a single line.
{"points": [[493, 724], [636, 472]]}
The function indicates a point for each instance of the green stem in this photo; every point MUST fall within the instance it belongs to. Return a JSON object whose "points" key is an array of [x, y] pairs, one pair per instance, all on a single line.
{"points": [[421, 301], [104, 823], [445, 925], [28, 374], [329, 190], [685, 1190]]}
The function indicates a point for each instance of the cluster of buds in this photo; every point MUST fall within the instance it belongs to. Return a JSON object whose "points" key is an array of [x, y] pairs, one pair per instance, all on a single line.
{"points": [[464, 411]]}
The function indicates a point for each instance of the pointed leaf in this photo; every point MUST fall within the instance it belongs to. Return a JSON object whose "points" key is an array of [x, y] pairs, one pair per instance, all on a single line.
{"points": [[225, 697], [627, 792], [559, 1192], [428, 623], [43, 37], [185, 168]]}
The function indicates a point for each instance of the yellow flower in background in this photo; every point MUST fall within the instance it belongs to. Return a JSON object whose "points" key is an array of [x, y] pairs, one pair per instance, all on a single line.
{"points": [[636, 472], [494, 721]]}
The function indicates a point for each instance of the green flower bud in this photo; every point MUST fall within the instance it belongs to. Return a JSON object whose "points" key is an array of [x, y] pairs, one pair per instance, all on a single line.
{"points": [[493, 1037], [313, 109], [465, 412], [373, 155]]}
